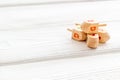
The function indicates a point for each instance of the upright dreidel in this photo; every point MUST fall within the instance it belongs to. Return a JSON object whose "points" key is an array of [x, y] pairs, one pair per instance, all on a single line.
{"points": [[103, 36], [78, 35], [92, 40], [90, 26]]}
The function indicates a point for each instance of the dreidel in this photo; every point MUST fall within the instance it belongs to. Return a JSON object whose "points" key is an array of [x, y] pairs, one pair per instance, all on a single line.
{"points": [[78, 35], [91, 26], [103, 36], [89, 30], [92, 40]]}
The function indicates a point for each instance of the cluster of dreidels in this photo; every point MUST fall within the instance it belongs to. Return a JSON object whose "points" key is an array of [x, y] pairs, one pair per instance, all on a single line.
{"points": [[90, 32]]}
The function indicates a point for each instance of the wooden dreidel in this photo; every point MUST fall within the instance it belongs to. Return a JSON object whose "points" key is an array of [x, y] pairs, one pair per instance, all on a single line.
{"points": [[78, 35], [103, 36], [92, 40], [91, 26]]}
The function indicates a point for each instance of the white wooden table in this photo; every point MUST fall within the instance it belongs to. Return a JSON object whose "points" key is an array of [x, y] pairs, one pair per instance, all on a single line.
{"points": [[35, 33], [38, 34]]}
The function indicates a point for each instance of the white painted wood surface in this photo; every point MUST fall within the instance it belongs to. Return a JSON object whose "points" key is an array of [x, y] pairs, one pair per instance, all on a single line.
{"points": [[6, 3], [100, 67], [35, 33]]}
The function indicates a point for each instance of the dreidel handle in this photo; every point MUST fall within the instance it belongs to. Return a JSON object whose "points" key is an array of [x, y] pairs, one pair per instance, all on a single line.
{"points": [[69, 29], [101, 25], [77, 24]]}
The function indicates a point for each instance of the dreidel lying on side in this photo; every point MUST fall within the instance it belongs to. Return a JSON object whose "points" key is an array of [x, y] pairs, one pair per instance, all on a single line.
{"points": [[78, 35], [90, 26], [103, 36]]}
